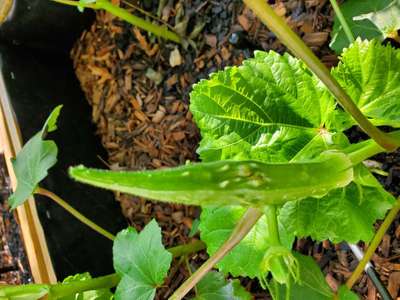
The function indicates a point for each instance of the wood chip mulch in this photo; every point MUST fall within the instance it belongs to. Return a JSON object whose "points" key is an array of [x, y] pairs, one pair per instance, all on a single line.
{"points": [[138, 87], [13, 261]]}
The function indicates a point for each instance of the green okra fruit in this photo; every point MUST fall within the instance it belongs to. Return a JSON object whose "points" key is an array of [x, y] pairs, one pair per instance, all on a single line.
{"points": [[229, 182]]}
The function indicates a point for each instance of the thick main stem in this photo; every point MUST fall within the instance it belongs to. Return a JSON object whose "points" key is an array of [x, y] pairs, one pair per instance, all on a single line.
{"points": [[342, 20], [291, 40], [244, 226], [74, 212], [374, 244]]}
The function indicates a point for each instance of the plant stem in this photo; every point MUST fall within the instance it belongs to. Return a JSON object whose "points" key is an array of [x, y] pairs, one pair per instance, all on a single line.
{"points": [[247, 222], [288, 37], [272, 222], [364, 150], [374, 244], [74, 212], [161, 31], [66, 289], [183, 250], [343, 22]]}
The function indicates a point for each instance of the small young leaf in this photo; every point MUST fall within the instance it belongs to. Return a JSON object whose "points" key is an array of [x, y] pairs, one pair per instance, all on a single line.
{"points": [[228, 182], [369, 72], [217, 224], [364, 29], [24, 292], [142, 262], [312, 284], [345, 294], [34, 160], [214, 286], [101, 294], [346, 214]]}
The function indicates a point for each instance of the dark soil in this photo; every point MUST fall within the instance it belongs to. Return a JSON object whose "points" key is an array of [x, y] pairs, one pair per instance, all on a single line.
{"points": [[13, 261], [138, 87]]}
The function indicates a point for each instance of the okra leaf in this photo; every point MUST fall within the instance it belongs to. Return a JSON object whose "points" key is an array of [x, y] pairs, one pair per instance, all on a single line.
{"points": [[311, 286], [369, 72], [345, 214], [215, 286], [386, 20], [101, 294], [228, 182], [364, 29], [142, 262], [34, 160], [216, 225], [345, 294], [271, 101]]}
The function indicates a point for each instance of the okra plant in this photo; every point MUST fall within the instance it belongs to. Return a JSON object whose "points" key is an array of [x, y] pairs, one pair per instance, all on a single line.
{"points": [[275, 165]]}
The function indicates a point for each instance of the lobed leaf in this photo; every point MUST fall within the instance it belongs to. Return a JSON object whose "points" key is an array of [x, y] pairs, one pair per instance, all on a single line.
{"points": [[228, 182], [271, 101], [34, 160], [215, 286], [369, 72], [345, 214], [217, 224], [142, 262]]}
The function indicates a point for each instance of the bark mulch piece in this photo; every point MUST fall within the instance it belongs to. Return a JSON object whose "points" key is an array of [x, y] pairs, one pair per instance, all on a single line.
{"points": [[139, 87], [14, 267]]}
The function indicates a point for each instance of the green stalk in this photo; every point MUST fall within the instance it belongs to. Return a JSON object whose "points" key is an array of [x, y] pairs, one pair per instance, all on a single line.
{"points": [[244, 226], [374, 244], [183, 250], [291, 40], [161, 31], [366, 149], [74, 212], [66, 289], [343, 22], [272, 222]]}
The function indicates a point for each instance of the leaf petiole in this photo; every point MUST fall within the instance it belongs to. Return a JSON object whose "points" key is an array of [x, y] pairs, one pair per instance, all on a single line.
{"points": [[342, 20]]}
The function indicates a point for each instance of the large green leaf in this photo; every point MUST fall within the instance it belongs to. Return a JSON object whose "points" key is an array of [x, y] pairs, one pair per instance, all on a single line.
{"points": [[345, 214], [101, 294], [217, 223], [271, 101], [369, 72], [345, 294], [34, 160], [142, 262], [229, 182], [214, 286], [364, 29], [311, 286]]}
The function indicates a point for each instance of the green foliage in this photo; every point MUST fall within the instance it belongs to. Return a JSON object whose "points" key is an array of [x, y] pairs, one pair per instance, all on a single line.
{"points": [[386, 20], [214, 286], [364, 29], [141, 261], [345, 294], [311, 285], [101, 294], [34, 160], [374, 84], [25, 292], [217, 224]]}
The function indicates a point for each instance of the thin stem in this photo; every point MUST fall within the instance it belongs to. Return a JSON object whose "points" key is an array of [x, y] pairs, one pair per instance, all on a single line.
{"points": [[161, 31], [66, 289], [288, 37], [249, 219], [74, 212], [343, 22], [272, 221], [374, 244], [183, 250]]}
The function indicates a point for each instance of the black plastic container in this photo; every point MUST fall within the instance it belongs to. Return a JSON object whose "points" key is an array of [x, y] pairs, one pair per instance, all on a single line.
{"points": [[36, 81]]}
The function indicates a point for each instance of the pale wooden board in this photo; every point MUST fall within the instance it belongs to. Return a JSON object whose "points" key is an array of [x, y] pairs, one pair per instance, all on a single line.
{"points": [[28, 219]]}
